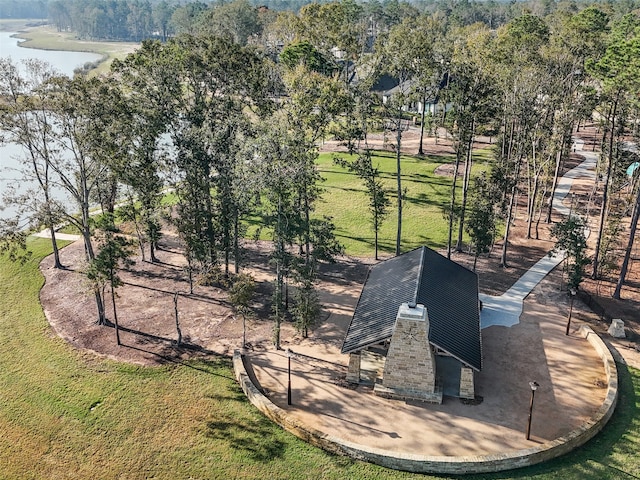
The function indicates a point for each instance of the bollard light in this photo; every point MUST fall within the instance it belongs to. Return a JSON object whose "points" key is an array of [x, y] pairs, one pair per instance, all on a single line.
{"points": [[534, 386], [289, 355]]}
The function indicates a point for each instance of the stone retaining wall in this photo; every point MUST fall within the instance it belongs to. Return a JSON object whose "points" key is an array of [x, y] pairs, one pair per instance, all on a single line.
{"points": [[445, 464]]}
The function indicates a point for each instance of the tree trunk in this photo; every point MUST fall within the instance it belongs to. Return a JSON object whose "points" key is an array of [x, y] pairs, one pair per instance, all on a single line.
{"points": [[465, 185], [279, 284], [540, 210], [555, 180], [279, 278], [605, 192], [505, 243], [54, 245], [152, 252], [452, 203], [244, 331], [115, 314], [236, 243], [399, 182], [113, 195], [45, 187], [227, 260], [190, 272], [211, 236], [424, 102], [88, 248], [175, 308], [509, 152], [307, 231], [138, 228], [627, 253], [534, 194], [375, 233]]}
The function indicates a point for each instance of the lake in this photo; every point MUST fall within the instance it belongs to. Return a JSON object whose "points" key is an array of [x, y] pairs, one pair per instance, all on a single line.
{"points": [[63, 61]]}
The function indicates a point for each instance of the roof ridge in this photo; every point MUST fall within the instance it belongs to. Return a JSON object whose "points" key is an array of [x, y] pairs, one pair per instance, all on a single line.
{"points": [[419, 282]]}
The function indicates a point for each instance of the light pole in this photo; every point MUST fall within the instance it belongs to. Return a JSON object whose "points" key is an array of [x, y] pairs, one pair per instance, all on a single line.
{"points": [[534, 386], [289, 355], [573, 292]]}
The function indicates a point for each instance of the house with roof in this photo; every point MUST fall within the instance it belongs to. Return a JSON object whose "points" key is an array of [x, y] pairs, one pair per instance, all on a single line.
{"points": [[422, 312], [430, 104]]}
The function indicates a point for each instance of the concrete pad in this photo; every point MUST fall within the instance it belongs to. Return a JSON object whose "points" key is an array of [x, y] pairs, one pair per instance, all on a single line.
{"points": [[522, 342], [569, 372]]}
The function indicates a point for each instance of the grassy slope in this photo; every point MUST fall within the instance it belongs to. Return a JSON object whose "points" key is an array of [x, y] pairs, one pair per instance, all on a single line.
{"points": [[64, 414]]}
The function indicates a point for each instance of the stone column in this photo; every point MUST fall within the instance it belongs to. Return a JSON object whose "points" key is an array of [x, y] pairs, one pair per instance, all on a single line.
{"points": [[353, 374], [467, 388], [410, 367]]}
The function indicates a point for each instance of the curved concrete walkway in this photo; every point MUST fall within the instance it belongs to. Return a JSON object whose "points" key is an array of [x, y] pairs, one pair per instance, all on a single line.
{"points": [[505, 310], [59, 236], [406, 436]]}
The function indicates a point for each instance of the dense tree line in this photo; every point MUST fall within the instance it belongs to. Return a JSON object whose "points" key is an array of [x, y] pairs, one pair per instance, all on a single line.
{"points": [[233, 125], [136, 20]]}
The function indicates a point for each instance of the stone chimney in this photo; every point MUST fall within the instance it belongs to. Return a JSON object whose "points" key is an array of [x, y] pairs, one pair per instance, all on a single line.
{"points": [[410, 367]]}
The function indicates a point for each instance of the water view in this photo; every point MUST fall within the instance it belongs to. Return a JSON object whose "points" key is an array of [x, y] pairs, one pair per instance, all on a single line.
{"points": [[63, 61]]}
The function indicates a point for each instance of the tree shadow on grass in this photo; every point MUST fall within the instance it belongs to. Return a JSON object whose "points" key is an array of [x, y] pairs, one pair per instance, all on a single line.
{"points": [[211, 366], [256, 438]]}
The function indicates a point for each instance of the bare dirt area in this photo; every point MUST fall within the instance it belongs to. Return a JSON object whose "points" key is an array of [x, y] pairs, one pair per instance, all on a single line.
{"points": [[410, 144], [146, 308], [597, 293]]}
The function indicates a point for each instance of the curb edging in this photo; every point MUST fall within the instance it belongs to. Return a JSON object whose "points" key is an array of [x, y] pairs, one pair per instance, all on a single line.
{"points": [[444, 464]]}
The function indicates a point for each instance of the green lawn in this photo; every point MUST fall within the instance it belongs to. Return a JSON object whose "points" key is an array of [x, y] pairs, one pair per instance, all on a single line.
{"points": [[64, 414], [423, 221]]}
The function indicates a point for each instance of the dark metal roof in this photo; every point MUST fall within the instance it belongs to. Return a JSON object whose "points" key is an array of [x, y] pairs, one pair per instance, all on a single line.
{"points": [[448, 291], [389, 284], [385, 82]]}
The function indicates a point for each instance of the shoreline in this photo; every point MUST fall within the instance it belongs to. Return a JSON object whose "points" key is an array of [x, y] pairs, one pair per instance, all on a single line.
{"points": [[38, 34]]}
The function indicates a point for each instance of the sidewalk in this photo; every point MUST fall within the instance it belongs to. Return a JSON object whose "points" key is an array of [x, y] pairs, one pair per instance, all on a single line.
{"points": [[505, 309], [59, 236]]}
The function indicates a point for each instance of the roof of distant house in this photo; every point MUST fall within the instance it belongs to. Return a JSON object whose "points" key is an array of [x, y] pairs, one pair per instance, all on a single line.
{"points": [[395, 87], [448, 290]]}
